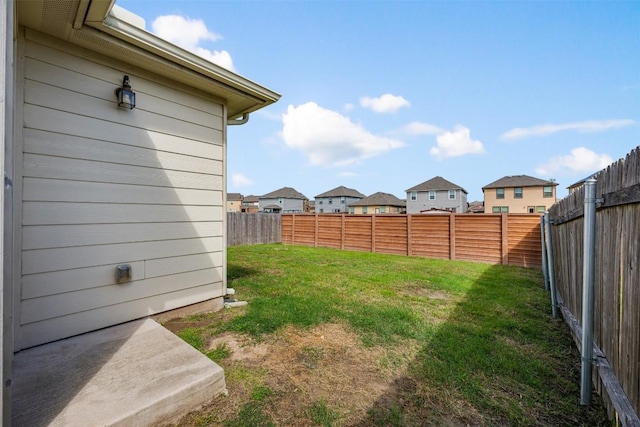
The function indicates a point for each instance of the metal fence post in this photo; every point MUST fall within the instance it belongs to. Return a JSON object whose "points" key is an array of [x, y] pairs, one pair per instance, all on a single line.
{"points": [[544, 254], [550, 269], [588, 272]]}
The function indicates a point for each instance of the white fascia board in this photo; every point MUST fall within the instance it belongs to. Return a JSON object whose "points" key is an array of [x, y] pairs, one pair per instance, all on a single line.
{"points": [[132, 33]]}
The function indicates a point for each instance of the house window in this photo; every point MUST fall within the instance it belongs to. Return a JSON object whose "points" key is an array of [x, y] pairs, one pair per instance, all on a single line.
{"points": [[364, 209], [531, 209], [499, 193], [320, 202], [500, 209], [452, 194], [280, 201], [541, 209], [337, 210], [383, 209], [432, 195], [377, 210], [330, 201], [517, 193], [547, 191], [342, 200], [413, 195], [321, 210], [351, 210]]}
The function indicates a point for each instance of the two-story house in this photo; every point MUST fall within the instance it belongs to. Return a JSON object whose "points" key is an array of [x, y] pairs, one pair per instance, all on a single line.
{"points": [[436, 194], [283, 200], [519, 194], [250, 204], [337, 200], [234, 202], [378, 203]]}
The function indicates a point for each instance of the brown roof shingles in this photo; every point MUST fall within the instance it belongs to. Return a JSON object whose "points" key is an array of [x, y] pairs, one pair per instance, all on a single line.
{"points": [[519, 181], [435, 184]]}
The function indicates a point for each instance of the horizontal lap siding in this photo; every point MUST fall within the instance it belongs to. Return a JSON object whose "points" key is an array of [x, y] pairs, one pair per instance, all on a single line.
{"points": [[430, 236], [478, 238], [103, 186]]}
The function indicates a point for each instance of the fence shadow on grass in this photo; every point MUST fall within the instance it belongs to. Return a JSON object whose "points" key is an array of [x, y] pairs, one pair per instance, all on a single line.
{"points": [[499, 359]]}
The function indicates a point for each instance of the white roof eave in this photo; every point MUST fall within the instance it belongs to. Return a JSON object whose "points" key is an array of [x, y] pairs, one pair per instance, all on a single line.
{"points": [[101, 17]]}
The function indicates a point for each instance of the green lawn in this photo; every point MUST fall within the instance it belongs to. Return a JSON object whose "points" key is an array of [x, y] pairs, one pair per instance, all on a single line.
{"points": [[456, 343]]}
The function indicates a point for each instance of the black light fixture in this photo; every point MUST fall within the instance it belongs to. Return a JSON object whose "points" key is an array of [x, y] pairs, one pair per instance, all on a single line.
{"points": [[126, 97]]}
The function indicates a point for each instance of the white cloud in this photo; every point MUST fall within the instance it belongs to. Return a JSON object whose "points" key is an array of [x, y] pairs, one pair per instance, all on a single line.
{"points": [[189, 34], [585, 126], [387, 103], [421, 128], [239, 180], [580, 159], [456, 143], [330, 139], [348, 107]]}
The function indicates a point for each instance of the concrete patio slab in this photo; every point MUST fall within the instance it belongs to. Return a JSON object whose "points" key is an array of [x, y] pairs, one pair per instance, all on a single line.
{"points": [[134, 374]]}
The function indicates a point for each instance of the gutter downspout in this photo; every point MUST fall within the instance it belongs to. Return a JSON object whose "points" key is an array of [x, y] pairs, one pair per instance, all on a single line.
{"points": [[236, 122]]}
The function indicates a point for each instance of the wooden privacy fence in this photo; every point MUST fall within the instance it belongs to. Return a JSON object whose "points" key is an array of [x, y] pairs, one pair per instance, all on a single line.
{"points": [[512, 239], [252, 228], [616, 322]]}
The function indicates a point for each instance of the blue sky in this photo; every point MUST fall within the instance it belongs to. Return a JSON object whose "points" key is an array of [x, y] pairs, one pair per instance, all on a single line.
{"points": [[383, 95]]}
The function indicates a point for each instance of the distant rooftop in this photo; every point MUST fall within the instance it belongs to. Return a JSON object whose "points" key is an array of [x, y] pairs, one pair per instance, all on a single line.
{"points": [[285, 193], [381, 199], [435, 184], [519, 181], [341, 191]]}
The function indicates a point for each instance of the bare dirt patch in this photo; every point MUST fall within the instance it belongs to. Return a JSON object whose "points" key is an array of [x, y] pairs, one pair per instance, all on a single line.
{"points": [[327, 364]]}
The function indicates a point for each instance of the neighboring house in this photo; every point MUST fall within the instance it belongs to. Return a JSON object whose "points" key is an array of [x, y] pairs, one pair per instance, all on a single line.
{"points": [[378, 203], [234, 202], [250, 204], [309, 206], [111, 213], [573, 187], [337, 200], [519, 194], [476, 207], [283, 200], [436, 194]]}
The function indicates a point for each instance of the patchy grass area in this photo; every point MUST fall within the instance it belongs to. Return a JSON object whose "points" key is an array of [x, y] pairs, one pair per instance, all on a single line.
{"points": [[337, 338]]}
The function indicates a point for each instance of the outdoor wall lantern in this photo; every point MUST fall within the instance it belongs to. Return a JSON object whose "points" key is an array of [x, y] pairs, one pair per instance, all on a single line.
{"points": [[126, 97]]}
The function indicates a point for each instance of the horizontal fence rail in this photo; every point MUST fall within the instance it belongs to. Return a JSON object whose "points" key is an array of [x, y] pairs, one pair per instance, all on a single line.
{"points": [[253, 228], [616, 314], [512, 239]]}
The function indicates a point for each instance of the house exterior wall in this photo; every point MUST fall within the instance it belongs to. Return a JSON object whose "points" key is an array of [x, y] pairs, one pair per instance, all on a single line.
{"points": [[334, 204], [376, 209], [532, 197], [442, 201], [104, 186], [287, 205], [234, 205]]}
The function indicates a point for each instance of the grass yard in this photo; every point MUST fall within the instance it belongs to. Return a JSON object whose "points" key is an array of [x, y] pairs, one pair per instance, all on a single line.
{"points": [[338, 338]]}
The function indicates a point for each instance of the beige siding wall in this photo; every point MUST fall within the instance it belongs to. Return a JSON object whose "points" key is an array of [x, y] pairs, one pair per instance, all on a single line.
{"points": [[531, 197], [104, 186], [372, 209]]}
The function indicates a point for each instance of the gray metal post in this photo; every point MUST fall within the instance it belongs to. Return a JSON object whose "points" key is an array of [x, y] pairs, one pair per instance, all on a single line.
{"points": [[544, 254], [550, 269], [588, 279]]}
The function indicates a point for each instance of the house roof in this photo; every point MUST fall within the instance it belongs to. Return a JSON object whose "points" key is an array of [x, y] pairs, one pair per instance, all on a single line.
{"points": [[250, 199], [380, 199], [234, 196], [519, 181], [341, 191], [273, 207], [285, 193], [102, 26], [578, 183], [437, 183]]}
